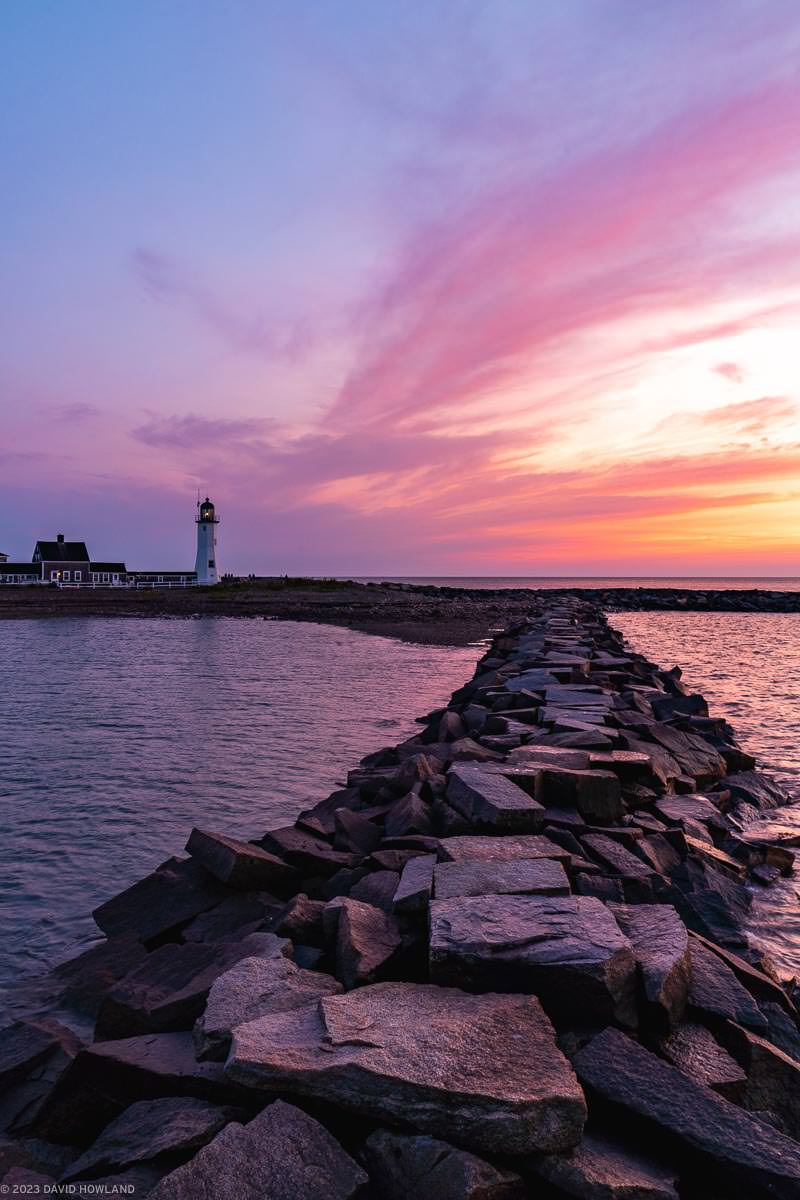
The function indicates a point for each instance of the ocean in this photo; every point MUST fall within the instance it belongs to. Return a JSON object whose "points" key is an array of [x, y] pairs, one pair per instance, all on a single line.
{"points": [[747, 666], [117, 736], [696, 583]]}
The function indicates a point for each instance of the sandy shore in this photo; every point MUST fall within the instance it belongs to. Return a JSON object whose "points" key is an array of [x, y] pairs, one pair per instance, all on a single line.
{"points": [[424, 614]]}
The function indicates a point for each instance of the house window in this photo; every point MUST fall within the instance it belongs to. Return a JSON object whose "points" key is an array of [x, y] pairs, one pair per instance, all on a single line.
{"points": [[115, 578], [78, 576], [211, 562], [105, 577], [54, 574], [66, 575]]}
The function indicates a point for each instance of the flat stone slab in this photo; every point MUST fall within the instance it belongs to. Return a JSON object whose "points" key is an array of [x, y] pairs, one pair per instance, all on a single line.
{"points": [[106, 1077], [549, 756], [715, 992], [253, 988], [677, 809], [597, 795], [301, 921], [26, 1045], [559, 659], [487, 798], [174, 894], [484, 1071], [696, 757], [536, 680], [773, 1079], [403, 1166], [627, 763], [160, 1064], [366, 940], [149, 1128], [585, 695], [416, 884], [600, 1169], [739, 1154], [532, 876], [694, 1050], [480, 848], [232, 919], [614, 858], [567, 950], [756, 788], [33, 1065], [281, 1154], [757, 983], [79, 984], [717, 858], [589, 737], [311, 855], [379, 889], [239, 864], [553, 714], [167, 992], [661, 946]]}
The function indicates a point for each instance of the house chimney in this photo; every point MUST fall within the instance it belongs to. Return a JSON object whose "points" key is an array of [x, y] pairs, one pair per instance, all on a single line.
{"points": [[59, 537]]}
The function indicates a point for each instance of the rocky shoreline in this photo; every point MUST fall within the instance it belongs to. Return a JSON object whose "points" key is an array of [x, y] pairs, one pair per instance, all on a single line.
{"points": [[507, 960], [420, 613]]}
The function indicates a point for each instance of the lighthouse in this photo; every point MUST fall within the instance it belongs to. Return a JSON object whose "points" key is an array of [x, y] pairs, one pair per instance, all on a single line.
{"points": [[206, 562]]}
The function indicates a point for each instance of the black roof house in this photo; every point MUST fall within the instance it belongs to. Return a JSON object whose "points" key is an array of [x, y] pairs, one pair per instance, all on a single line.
{"points": [[60, 551], [28, 569], [68, 564]]}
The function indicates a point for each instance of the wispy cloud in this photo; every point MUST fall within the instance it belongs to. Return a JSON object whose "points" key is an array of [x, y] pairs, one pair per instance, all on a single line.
{"points": [[78, 412], [731, 371], [191, 432], [752, 416], [170, 282], [479, 297]]}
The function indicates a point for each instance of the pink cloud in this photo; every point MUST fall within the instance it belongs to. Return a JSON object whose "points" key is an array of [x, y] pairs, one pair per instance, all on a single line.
{"points": [[78, 412], [478, 297], [752, 416], [745, 417], [731, 371], [168, 281], [193, 432]]}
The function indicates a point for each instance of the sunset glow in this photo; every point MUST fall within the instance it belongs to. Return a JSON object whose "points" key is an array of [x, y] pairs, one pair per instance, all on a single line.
{"points": [[445, 290]]}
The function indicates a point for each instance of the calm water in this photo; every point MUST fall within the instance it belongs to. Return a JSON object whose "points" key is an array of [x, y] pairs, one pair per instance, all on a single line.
{"points": [[117, 736], [710, 583], [748, 668]]}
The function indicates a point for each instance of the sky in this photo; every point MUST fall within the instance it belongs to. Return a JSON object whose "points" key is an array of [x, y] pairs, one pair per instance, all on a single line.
{"points": [[446, 288]]}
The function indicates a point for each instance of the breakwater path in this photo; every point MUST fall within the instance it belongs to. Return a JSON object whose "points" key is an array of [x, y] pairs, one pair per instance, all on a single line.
{"points": [[508, 959]]}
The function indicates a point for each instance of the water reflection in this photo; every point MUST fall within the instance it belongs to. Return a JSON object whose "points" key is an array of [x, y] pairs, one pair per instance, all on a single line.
{"points": [[118, 735], [747, 667]]}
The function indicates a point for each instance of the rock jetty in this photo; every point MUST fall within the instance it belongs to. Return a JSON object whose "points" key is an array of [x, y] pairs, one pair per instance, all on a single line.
{"points": [[506, 960]]}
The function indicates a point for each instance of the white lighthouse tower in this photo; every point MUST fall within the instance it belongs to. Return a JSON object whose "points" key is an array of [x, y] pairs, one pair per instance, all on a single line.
{"points": [[206, 562]]}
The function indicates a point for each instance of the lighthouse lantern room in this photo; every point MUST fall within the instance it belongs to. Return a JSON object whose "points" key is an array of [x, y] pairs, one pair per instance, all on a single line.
{"points": [[206, 561]]}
